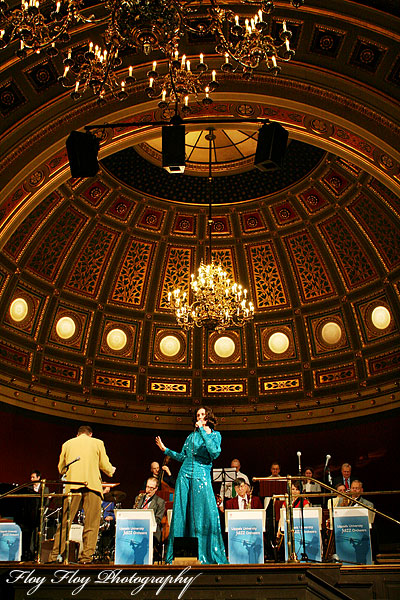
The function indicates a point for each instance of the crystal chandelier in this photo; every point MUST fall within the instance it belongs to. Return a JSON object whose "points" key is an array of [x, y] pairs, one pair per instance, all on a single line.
{"points": [[247, 40], [158, 25], [147, 26], [98, 73], [249, 45], [183, 82], [37, 28], [218, 302]]}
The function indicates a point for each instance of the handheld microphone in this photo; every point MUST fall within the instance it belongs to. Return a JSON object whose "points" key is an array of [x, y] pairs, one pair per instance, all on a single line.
{"points": [[328, 458], [72, 462]]}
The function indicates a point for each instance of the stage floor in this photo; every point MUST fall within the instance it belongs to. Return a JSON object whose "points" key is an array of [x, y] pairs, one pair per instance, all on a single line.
{"points": [[271, 581]]}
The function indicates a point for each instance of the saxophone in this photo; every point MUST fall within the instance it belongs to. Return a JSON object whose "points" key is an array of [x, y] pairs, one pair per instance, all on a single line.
{"points": [[248, 504], [346, 502], [139, 499]]}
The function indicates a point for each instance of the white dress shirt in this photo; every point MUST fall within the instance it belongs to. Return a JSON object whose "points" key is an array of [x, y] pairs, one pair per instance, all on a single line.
{"points": [[242, 502]]}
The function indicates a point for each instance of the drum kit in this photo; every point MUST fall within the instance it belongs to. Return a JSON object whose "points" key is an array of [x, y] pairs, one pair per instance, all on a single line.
{"points": [[105, 542]]}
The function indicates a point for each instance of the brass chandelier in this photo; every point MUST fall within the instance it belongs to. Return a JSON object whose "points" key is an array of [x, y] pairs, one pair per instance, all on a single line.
{"points": [[245, 41], [248, 40], [217, 302], [182, 82], [35, 27]]}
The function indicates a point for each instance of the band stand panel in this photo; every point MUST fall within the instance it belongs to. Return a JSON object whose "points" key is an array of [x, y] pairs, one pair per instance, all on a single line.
{"points": [[245, 535], [312, 532], [352, 535], [134, 530], [10, 541]]}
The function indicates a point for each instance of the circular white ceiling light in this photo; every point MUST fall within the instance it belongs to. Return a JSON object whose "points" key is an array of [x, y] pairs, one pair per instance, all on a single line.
{"points": [[170, 345], [381, 317], [278, 342], [224, 347], [116, 339], [65, 328], [18, 309], [331, 333]]}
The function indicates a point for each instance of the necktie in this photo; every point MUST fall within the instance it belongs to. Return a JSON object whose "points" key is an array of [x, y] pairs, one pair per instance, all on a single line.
{"points": [[346, 484], [145, 502]]}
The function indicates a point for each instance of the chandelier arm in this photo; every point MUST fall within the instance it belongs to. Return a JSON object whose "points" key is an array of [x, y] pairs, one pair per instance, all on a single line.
{"points": [[173, 87], [107, 71]]}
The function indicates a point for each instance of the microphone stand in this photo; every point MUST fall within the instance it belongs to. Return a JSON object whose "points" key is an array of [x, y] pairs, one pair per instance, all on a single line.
{"points": [[303, 535], [60, 556], [335, 557], [326, 477]]}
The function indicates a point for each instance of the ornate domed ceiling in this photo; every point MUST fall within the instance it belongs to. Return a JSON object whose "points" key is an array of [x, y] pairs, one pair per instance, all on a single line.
{"points": [[86, 264]]}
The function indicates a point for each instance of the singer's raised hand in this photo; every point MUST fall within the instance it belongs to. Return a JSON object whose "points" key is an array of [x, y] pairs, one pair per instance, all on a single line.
{"points": [[160, 444]]}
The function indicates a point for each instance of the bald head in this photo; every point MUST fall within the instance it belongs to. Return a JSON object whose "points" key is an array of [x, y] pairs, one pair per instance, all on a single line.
{"points": [[155, 468]]}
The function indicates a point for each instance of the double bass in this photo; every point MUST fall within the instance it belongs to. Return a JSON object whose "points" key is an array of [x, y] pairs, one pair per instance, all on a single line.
{"points": [[166, 492]]}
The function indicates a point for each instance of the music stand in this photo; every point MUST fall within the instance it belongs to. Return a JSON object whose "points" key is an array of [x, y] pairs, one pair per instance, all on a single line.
{"points": [[273, 486], [224, 476]]}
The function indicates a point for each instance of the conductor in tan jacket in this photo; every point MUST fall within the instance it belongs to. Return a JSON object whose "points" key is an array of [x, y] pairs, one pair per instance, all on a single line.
{"points": [[84, 456]]}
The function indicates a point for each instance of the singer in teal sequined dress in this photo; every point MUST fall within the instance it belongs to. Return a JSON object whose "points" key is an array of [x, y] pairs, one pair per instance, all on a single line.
{"points": [[195, 512]]}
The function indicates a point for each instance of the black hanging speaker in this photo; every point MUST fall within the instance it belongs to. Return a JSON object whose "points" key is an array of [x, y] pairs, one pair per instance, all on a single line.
{"points": [[82, 149], [271, 147], [173, 148]]}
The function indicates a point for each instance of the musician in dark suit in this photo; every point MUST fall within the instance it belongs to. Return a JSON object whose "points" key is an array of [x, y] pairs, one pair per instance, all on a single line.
{"points": [[242, 498], [150, 500], [345, 476], [31, 516]]}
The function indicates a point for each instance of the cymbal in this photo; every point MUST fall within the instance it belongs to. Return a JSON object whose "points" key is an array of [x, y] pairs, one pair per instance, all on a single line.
{"points": [[110, 485], [115, 496]]}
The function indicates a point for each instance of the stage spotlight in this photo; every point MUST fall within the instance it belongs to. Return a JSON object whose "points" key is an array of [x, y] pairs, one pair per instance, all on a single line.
{"points": [[173, 148], [271, 147], [82, 149]]}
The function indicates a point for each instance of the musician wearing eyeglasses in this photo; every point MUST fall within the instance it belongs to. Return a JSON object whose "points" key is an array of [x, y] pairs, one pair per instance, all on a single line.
{"points": [[244, 498], [150, 500]]}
